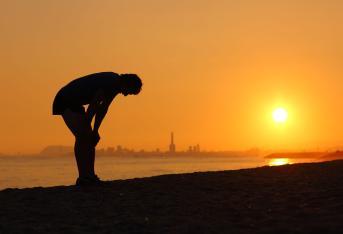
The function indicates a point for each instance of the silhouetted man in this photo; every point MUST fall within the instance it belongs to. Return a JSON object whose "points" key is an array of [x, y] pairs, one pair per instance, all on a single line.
{"points": [[97, 90]]}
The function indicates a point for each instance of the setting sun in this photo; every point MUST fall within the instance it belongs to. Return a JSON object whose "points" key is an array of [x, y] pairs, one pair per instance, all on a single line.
{"points": [[279, 162], [280, 115]]}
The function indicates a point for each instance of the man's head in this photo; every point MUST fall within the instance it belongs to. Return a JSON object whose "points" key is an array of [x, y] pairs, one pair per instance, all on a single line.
{"points": [[131, 84]]}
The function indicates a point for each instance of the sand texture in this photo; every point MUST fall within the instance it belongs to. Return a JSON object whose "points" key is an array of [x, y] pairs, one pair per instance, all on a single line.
{"points": [[299, 198]]}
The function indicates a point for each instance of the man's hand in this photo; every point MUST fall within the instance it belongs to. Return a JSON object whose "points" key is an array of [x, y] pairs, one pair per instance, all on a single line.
{"points": [[96, 137]]}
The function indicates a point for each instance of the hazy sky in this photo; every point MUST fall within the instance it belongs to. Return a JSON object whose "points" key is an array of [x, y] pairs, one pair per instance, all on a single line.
{"points": [[213, 71]]}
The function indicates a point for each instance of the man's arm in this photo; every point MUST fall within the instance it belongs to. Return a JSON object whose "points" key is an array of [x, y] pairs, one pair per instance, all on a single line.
{"points": [[94, 105], [101, 112]]}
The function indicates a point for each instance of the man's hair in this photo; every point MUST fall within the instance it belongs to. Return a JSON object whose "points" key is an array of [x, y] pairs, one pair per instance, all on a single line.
{"points": [[132, 81]]}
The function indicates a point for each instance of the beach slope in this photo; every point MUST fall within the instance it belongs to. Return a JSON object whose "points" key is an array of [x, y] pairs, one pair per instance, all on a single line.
{"points": [[299, 198]]}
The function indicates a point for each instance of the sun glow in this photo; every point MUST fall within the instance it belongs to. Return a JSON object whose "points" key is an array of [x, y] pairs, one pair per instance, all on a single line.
{"points": [[279, 161], [280, 115]]}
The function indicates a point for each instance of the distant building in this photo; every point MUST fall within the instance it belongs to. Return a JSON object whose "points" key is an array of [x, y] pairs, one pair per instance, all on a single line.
{"points": [[172, 145], [198, 148], [194, 148], [57, 150], [190, 149], [119, 149], [110, 150]]}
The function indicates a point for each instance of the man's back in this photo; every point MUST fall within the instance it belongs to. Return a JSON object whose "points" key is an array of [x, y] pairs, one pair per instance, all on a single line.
{"points": [[81, 91]]}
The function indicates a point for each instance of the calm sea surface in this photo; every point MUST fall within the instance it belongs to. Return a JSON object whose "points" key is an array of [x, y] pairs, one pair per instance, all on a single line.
{"points": [[22, 172]]}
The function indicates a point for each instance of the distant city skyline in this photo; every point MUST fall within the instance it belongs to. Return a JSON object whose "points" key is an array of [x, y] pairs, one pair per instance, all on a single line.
{"points": [[169, 148], [58, 150], [119, 148]]}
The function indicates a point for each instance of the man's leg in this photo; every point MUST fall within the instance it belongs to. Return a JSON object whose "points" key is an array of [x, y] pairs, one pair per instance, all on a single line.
{"points": [[85, 157], [84, 147]]}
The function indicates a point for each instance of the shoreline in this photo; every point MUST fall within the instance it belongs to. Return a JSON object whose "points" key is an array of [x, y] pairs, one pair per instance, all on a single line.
{"points": [[297, 198]]}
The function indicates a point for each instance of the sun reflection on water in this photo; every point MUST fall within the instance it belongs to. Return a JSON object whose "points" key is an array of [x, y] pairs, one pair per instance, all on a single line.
{"points": [[279, 161]]}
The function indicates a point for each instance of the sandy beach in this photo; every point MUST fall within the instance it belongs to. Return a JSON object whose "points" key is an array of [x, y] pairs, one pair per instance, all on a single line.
{"points": [[299, 198]]}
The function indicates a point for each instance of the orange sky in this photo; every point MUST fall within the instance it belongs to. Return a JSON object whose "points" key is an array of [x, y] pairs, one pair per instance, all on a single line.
{"points": [[212, 70]]}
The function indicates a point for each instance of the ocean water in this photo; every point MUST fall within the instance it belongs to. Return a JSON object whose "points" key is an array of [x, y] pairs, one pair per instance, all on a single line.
{"points": [[23, 172]]}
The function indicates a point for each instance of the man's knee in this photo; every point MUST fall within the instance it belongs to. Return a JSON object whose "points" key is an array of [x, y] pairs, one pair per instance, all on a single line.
{"points": [[85, 137]]}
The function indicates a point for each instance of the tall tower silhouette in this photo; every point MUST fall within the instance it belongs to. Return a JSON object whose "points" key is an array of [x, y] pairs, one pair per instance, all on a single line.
{"points": [[172, 145]]}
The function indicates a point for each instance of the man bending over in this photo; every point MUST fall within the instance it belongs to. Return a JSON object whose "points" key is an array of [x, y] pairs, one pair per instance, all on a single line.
{"points": [[97, 90]]}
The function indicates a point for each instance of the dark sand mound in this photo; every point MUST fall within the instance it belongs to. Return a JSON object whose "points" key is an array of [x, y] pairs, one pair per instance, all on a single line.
{"points": [[300, 198]]}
